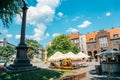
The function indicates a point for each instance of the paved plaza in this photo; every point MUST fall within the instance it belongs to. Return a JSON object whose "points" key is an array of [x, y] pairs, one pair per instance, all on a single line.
{"points": [[92, 75], [90, 72]]}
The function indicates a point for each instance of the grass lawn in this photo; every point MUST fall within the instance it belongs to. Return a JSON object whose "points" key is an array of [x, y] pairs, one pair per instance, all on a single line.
{"points": [[40, 74]]}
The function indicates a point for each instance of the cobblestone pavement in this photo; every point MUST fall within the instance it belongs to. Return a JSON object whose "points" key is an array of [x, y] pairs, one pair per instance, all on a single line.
{"points": [[90, 71], [40, 64]]}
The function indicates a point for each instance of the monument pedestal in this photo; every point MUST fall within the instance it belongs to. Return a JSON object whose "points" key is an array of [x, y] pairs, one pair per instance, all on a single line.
{"points": [[11, 69], [21, 63]]}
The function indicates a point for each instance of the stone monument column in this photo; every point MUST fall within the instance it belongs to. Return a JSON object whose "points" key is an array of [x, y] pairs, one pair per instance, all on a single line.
{"points": [[21, 62], [21, 57]]}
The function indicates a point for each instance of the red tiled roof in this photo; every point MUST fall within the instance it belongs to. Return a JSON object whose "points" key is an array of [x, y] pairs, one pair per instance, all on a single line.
{"points": [[111, 31], [73, 36], [114, 31], [90, 35]]}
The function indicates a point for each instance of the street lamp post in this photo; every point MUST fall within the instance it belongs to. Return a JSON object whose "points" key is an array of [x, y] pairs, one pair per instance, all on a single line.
{"points": [[21, 63]]}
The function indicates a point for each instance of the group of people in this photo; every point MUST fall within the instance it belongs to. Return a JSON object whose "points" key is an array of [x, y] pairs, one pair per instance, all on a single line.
{"points": [[65, 62]]}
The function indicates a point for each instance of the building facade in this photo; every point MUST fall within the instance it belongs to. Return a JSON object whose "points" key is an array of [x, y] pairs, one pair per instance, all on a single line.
{"points": [[75, 39], [83, 45], [95, 42], [102, 41], [4, 42], [79, 40]]}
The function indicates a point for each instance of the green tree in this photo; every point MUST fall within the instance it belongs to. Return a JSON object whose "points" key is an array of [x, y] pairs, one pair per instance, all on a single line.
{"points": [[9, 8], [75, 49], [6, 51], [33, 47], [50, 51], [63, 44]]}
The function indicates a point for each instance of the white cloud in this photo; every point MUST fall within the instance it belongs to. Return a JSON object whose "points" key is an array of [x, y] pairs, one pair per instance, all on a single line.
{"points": [[76, 18], [4, 31], [9, 35], [18, 19], [17, 36], [47, 35], [84, 24], [40, 16], [72, 30], [56, 34], [29, 36], [39, 32], [60, 14], [108, 14]]}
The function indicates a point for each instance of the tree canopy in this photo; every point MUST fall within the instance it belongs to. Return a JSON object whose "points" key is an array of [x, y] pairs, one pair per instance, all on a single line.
{"points": [[33, 47], [6, 51], [9, 8], [63, 44]]}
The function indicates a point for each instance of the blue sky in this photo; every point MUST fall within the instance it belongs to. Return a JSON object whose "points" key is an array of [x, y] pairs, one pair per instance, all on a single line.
{"points": [[48, 18]]}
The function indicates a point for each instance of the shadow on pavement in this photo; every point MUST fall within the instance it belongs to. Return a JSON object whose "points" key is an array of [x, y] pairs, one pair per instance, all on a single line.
{"points": [[93, 72], [104, 76]]}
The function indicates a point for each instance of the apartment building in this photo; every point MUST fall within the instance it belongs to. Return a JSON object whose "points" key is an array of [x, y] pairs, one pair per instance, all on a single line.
{"points": [[4, 42], [79, 40], [75, 39], [95, 42], [102, 41], [83, 45]]}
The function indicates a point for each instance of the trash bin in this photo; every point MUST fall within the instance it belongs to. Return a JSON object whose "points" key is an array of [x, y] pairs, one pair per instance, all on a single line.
{"points": [[98, 69]]}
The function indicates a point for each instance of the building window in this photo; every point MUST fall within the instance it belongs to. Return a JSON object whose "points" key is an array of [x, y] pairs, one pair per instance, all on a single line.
{"points": [[114, 43], [91, 40], [94, 45], [73, 41], [81, 40], [88, 46], [82, 46], [115, 36], [1, 44], [103, 42], [76, 41]]}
